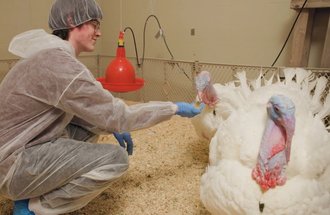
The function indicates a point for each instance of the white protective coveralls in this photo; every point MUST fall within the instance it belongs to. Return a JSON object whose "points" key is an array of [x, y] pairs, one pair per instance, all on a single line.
{"points": [[50, 103]]}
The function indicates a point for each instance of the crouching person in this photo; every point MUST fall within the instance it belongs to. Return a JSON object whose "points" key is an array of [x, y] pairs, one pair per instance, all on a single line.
{"points": [[51, 106]]}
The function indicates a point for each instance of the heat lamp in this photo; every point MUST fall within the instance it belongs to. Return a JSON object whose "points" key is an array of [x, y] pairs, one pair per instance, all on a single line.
{"points": [[120, 74]]}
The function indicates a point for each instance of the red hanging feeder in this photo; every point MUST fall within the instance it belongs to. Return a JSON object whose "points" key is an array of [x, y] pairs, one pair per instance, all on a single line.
{"points": [[120, 74]]}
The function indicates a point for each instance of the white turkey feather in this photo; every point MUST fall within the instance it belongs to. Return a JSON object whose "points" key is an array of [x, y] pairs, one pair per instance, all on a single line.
{"points": [[269, 81], [241, 76], [325, 110], [289, 73], [257, 82], [302, 76], [318, 91]]}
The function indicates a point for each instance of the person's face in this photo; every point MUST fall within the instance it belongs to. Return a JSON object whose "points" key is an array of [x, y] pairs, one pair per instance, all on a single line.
{"points": [[83, 38]]}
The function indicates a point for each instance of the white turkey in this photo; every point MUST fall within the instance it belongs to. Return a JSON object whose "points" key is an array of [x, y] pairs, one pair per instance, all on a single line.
{"points": [[270, 150]]}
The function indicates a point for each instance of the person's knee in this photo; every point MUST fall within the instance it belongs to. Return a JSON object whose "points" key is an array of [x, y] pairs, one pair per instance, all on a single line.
{"points": [[123, 157], [119, 156]]}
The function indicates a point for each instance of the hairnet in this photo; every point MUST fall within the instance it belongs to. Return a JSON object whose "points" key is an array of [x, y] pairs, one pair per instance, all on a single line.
{"points": [[66, 14]]}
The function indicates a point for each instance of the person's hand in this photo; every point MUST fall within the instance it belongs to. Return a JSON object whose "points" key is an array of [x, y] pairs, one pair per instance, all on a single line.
{"points": [[188, 110], [122, 138]]}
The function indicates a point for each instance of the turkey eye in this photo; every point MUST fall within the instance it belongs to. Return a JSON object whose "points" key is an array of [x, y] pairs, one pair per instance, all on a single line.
{"points": [[276, 109], [214, 113]]}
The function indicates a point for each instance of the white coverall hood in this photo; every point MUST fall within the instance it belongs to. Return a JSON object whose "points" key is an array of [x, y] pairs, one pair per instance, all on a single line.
{"points": [[31, 42]]}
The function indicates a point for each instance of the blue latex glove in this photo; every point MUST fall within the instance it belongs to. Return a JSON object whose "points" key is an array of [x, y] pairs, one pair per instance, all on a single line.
{"points": [[188, 110], [122, 138]]}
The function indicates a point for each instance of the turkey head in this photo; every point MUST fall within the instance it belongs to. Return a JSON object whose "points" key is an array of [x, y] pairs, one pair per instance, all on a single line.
{"points": [[274, 151], [205, 90]]}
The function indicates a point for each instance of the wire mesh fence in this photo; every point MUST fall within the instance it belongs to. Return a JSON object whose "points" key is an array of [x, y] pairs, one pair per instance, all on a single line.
{"points": [[169, 80]]}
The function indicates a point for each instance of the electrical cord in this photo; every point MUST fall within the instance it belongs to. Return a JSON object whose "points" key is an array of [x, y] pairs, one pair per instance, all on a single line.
{"points": [[144, 36], [144, 42], [136, 52], [168, 49], [163, 36], [287, 38]]}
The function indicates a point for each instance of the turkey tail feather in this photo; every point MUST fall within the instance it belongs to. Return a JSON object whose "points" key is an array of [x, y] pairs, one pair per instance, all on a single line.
{"points": [[319, 89], [241, 76], [325, 111], [257, 82], [289, 73]]}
